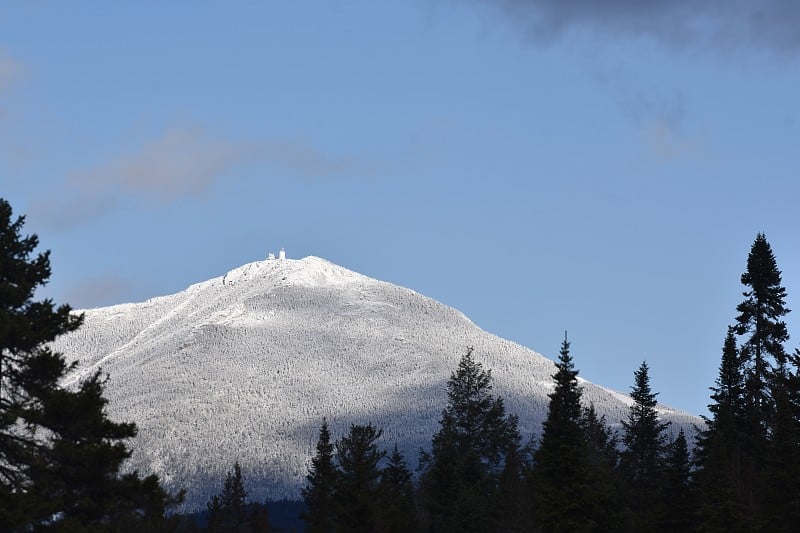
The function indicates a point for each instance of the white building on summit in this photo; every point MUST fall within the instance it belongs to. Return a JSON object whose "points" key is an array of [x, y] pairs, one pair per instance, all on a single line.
{"points": [[281, 255]]}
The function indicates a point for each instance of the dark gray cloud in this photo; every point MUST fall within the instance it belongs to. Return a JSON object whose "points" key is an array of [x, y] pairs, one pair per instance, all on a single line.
{"points": [[726, 24]]}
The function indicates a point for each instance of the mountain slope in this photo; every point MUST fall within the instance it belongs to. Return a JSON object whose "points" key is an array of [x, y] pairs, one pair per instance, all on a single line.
{"points": [[245, 366]]}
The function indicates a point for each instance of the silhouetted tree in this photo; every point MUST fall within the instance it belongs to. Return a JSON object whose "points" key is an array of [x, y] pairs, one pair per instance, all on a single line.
{"points": [[603, 481], [721, 493], [561, 468], [320, 485], [356, 492], [468, 453], [227, 512], [768, 424], [760, 321], [59, 453], [678, 510], [642, 459], [396, 513]]}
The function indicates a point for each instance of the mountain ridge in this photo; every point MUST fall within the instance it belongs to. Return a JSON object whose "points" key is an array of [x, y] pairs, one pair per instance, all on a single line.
{"points": [[244, 367]]}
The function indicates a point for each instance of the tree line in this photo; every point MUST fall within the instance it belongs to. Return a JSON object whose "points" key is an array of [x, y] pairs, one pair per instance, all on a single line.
{"points": [[61, 456], [740, 473]]}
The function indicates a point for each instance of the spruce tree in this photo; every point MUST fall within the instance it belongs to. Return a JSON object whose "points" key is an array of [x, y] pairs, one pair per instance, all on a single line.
{"points": [[678, 510], [760, 321], [642, 459], [59, 453], [356, 492], [719, 460], [768, 411], [562, 501], [603, 458], [468, 453], [228, 509], [396, 513], [512, 502], [234, 495], [782, 464], [320, 485]]}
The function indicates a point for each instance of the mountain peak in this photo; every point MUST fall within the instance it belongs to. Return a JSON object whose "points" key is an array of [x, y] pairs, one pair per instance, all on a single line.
{"points": [[308, 271], [245, 366]]}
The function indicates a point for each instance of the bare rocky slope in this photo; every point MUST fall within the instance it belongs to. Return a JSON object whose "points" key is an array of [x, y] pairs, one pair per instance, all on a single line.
{"points": [[245, 366]]}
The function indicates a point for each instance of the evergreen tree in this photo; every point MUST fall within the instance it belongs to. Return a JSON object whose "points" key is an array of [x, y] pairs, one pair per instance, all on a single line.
{"points": [[355, 495], [59, 453], [214, 508], [782, 463], [721, 493], [768, 411], [561, 470], [603, 458], [760, 319], [78, 472], [320, 485], [678, 511], [234, 495], [512, 502], [642, 459], [396, 513], [468, 453], [25, 327], [228, 510]]}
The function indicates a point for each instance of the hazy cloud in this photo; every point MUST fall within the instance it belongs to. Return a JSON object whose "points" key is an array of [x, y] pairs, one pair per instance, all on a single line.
{"points": [[303, 160], [10, 71], [666, 143], [181, 163], [772, 24]]}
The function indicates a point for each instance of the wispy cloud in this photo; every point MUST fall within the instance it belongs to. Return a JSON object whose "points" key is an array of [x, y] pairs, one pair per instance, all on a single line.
{"points": [[182, 163], [10, 71], [301, 159], [666, 143], [770, 24]]}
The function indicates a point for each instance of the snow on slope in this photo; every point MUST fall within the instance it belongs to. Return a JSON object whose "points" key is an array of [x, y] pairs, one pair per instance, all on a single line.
{"points": [[245, 366]]}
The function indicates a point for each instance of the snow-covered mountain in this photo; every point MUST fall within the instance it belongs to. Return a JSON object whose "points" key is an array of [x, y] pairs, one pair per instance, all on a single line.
{"points": [[245, 366]]}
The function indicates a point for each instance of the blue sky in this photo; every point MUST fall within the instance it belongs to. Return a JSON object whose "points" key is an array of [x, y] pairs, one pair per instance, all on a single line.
{"points": [[540, 165]]}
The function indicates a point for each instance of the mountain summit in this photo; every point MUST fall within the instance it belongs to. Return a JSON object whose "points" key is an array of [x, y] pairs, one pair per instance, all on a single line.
{"points": [[245, 366]]}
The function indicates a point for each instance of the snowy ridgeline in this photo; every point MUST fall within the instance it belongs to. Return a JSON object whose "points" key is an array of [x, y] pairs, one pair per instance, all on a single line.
{"points": [[245, 366]]}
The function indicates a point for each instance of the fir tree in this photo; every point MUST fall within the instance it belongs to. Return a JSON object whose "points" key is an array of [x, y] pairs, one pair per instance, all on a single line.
{"points": [[720, 448], [782, 463], [678, 511], [767, 376], [760, 320], [512, 502], [460, 476], [642, 459], [561, 469], [396, 513], [355, 496], [603, 458], [320, 485], [59, 453], [227, 511]]}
